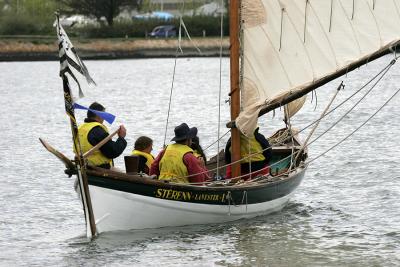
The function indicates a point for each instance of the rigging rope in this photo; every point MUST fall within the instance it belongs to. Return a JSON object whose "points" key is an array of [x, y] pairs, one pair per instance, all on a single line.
{"points": [[219, 139], [182, 25], [289, 127], [316, 124], [297, 153], [358, 128], [280, 36], [173, 75], [334, 146], [170, 96], [179, 49], [356, 104], [383, 72], [220, 82]]}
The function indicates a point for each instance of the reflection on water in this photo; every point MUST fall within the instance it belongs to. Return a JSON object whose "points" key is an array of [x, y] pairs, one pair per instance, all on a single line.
{"points": [[343, 214]]}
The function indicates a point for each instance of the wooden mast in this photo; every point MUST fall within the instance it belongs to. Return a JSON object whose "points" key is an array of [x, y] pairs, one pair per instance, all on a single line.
{"points": [[235, 90], [80, 162]]}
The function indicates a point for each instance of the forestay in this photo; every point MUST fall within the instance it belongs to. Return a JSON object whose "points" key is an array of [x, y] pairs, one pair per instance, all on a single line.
{"points": [[289, 45]]}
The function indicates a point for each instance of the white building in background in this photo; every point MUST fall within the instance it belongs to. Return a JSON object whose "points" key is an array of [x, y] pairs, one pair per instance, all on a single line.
{"points": [[201, 7], [165, 9], [211, 9]]}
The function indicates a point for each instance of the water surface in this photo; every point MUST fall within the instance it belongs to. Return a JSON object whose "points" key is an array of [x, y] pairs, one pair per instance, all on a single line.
{"points": [[345, 213]]}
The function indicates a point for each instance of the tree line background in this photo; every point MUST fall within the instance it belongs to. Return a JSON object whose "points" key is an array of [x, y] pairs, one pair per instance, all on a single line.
{"points": [[36, 17]]}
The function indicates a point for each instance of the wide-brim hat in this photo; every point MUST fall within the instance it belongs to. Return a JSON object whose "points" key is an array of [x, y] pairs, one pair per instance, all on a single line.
{"points": [[183, 132]]}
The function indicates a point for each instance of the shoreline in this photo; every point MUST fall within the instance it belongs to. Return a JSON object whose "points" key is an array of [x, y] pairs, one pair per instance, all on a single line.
{"points": [[29, 49]]}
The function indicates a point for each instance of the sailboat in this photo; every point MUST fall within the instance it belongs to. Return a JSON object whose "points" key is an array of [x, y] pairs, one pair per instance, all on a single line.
{"points": [[280, 50]]}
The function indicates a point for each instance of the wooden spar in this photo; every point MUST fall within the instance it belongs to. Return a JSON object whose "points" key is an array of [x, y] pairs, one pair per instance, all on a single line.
{"points": [[318, 83], [100, 144], [80, 163], [67, 162], [235, 90]]}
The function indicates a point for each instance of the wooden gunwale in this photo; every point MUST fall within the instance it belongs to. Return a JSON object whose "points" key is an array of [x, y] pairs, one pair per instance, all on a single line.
{"points": [[136, 178]]}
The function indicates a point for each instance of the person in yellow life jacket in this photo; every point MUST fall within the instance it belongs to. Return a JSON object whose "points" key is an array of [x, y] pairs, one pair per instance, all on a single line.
{"points": [[92, 131], [256, 154], [143, 148], [176, 163]]}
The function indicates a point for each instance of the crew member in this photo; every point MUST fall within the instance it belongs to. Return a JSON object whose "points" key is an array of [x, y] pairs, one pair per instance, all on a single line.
{"points": [[176, 163], [93, 131], [143, 148], [255, 153]]}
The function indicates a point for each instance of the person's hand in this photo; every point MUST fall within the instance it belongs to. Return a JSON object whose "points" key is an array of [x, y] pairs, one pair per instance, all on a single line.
{"points": [[122, 131]]}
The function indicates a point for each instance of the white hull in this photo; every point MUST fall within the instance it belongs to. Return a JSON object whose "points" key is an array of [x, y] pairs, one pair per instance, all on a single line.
{"points": [[115, 210]]}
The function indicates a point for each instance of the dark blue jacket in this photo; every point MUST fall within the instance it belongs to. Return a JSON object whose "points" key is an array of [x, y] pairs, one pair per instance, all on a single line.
{"points": [[111, 149]]}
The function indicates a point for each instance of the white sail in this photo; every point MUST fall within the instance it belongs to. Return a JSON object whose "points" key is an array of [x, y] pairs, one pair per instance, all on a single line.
{"points": [[289, 45], [294, 107]]}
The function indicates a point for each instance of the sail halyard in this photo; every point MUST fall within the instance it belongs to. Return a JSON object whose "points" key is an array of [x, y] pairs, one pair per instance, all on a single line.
{"points": [[235, 90], [294, 47]]}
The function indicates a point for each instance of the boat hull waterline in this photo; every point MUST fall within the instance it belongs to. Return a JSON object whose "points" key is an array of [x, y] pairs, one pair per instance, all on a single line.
{"points": [[141, 206]]}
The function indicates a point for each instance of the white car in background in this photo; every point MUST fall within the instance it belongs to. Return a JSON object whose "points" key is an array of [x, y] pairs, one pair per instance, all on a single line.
{"points": [[77, 20]]}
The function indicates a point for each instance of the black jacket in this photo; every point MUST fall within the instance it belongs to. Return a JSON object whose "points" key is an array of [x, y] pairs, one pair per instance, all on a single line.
{"points": [[267, 153], [142, 167], [111, 149]]}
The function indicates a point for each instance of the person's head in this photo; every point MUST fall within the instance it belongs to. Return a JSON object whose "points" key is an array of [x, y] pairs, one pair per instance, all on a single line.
{"points": [[144, 144], [196, 146], [195, 141], [184, 134], [92, 115]]}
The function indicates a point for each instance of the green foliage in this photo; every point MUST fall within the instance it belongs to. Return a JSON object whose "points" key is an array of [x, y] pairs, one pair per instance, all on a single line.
{"points": [[12, 25], [141, 27], [98, 8], [28, 17], [144, 6], [120, 29], [36, 17], [211, 25]]}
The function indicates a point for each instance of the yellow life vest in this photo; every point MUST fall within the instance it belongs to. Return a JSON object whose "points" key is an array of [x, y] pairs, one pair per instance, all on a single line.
{"points": [[196, 154], [97, 158], [149, 157], [248, 146], [171, 165]]}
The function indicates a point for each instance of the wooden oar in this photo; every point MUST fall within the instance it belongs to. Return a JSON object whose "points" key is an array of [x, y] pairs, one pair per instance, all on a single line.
{"points": [[67, 162], [100, 144]]}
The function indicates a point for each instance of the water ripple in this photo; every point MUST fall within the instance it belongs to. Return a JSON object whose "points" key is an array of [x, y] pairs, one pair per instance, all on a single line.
{"points": [[345, 213]]}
